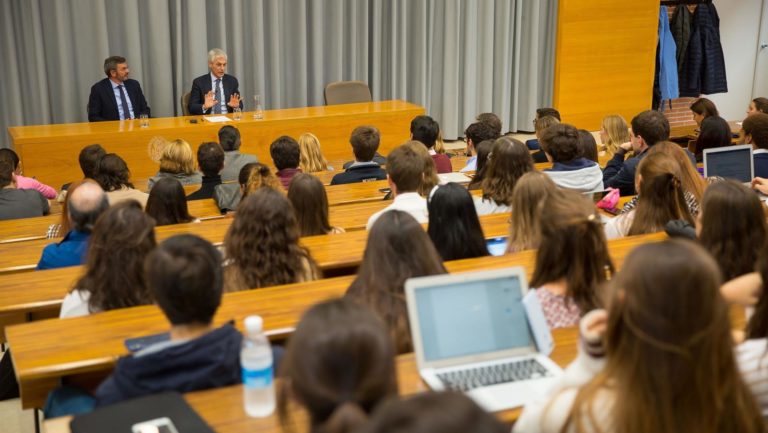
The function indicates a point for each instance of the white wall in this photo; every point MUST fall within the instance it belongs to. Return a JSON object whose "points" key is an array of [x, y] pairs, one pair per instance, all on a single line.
{"points": [[739, 30]]}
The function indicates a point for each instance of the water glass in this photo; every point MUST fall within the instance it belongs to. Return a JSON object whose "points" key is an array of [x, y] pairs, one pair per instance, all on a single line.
{"points": [[237, 113], [144, 120]]}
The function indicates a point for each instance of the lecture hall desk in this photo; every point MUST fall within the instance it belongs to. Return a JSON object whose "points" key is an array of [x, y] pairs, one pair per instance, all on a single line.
{"points": [[50, 151], [45, 351]]}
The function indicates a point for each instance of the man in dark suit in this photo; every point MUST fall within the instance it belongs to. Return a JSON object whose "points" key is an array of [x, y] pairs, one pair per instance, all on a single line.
{"points": [[116, 97], [215, 92]]}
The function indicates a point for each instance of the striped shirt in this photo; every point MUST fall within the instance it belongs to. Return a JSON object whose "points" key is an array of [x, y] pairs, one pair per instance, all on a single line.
{"points": [[752, 357]]}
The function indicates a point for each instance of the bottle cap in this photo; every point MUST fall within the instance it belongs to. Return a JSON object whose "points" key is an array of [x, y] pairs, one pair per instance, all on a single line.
{"points": [[254, 324]]}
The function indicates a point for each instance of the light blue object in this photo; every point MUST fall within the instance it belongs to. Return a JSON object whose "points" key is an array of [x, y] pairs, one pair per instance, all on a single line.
{"points": [[667, 59]]}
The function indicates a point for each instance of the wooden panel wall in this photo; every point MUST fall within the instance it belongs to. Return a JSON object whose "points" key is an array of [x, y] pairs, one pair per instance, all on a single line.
{"points": [[605, 59]]}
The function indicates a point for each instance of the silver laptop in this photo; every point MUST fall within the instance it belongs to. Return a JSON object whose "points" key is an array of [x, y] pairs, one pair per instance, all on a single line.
{"points": [[730, 162], [471, 334]]}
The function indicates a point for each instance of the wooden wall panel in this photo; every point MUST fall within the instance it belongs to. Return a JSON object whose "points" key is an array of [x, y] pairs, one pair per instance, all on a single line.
{"points": [[605, 59]]}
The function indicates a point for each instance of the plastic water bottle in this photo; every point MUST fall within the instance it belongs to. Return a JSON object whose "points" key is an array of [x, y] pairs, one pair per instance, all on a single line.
{"points": [[258, 112], [256, 363]]}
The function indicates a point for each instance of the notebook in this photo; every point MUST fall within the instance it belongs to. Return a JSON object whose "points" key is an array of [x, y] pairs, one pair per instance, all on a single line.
{"points": [[471, 333], [730, 162]]}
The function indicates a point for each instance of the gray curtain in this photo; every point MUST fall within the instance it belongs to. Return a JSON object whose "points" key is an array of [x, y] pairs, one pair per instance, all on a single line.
{"points": [[457, 58]]}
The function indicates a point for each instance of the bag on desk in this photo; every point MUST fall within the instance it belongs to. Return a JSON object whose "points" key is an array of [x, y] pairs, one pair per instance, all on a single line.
{"points": [[121, 417]]}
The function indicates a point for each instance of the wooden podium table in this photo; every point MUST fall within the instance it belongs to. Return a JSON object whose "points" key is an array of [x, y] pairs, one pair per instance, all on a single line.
{"points": [[49, 152]]}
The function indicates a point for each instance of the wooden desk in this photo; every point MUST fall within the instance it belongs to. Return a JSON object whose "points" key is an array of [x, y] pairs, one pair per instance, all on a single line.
{"points": [[45, 351], [690, 132], [49, 152], [222, 408], [26, 228]]}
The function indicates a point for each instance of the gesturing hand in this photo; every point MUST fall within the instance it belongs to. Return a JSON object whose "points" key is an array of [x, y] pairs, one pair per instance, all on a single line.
{"points": [[210, 100], [234, 100]]}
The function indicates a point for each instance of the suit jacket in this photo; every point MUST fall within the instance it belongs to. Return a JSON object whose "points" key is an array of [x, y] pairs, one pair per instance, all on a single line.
{"points": [[102, 104], [202, 85]]}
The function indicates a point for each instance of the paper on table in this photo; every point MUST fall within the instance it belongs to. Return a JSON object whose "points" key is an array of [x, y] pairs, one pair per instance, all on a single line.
{"points": [[217, 119]]}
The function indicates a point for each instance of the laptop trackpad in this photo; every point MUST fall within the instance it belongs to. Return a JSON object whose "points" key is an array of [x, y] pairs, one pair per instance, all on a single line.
{"points": [[509, 395]]}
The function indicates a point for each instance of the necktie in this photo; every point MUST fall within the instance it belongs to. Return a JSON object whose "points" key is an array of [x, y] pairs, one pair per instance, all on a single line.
{"points": [[219, 97], [124, 103]]}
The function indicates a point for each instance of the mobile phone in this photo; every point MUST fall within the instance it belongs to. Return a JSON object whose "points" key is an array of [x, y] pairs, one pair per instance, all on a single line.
{"points": [[157, 425], [385, 190]]}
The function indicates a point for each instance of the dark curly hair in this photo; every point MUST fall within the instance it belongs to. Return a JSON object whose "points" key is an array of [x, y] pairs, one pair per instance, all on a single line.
{"points": [[262, 244]]}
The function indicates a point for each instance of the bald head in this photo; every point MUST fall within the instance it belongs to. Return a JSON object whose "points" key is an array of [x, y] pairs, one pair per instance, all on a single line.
{"points": [[86, 203]]}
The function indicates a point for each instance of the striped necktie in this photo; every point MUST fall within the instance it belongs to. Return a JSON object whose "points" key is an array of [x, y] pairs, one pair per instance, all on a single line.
{"points": [[219, 97], [124, 103]]}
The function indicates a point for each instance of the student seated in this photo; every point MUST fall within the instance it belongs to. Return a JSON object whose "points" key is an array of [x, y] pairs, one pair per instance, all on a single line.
{"points": [[648, 128], [613, 133], [509, 161], [338, 366], [210, 160], [177, 161], [444, 412], [588, 146], [572, 260], [365, 143], [477, 133], [569, 169], [115, 179], [754, 129], [453, 223], [429, 177], [405, 174], [528, 198], [25, 182], [114, 268], [715, 132], [310, 202], [229, 139], [426, 130], [184, 275], [89, 162], [482, 150], [18, 203], [262, 245], [644, 366], [732, 227], [286, 157], [311, 156], [84, 206], [661, 199], [252, 177], [167, 204], [397, 249], [758, 105], [545, 117]]}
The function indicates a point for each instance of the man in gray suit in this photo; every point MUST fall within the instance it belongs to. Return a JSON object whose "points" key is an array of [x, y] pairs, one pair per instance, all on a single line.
{"points": [[229, 138]]}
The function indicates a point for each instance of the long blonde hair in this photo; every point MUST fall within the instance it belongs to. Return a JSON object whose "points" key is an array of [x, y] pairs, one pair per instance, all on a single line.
{"points": [[669, 352], [177, 157], [311, 157], [528, 197], [616, 130]]}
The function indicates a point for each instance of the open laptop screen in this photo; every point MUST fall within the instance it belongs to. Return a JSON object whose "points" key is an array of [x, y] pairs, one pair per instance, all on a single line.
{"points": [[471, 318], [732, 162]]}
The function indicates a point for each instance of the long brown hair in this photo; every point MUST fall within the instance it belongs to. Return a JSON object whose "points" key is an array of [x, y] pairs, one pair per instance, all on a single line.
{"points": [[339, 365], [693, 183], [508, 161], [661, 198], [733, 227], [757, 327], [310, 202], [167, 203], [670, 362], [114, 268], [398, 248], [262, 244], [573, 248], [528, 198]]}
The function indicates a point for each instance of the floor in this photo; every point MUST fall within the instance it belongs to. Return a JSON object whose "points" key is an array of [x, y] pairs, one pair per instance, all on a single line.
{"points": [[15, 420]]}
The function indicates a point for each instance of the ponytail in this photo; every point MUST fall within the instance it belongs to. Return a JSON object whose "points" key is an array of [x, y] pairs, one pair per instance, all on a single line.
{"points": [[662, 196], [347, 417]]}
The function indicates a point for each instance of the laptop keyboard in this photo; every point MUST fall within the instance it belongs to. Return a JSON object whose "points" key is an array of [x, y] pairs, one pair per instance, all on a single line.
{"points": [[465, 380]]}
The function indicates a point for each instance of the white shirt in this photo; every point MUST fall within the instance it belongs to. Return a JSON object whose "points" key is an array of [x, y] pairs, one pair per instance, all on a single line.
{"points": [[409, 202], [75, 304], [116, 89], [618, 226], [488, 206]]}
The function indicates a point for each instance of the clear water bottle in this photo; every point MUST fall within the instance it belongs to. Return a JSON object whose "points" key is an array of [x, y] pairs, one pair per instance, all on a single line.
{"points": [[256, 362], [258, 112]]}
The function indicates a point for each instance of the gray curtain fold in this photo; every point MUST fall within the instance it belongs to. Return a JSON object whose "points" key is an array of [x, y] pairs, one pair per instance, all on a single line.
{"points": [[455, 57]]}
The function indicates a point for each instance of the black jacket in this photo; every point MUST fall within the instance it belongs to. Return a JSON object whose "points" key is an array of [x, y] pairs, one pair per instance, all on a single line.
{"points": [[704, 67], [102, 103], [210, 361], [361, 173]]}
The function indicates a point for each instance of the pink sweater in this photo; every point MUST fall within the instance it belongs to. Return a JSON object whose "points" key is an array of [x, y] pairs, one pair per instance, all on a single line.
{"points": [[30, 183]]}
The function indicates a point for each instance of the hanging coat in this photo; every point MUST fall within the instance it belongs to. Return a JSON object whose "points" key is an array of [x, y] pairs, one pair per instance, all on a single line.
{"points": [[681, 31], [704, 66], [666, 58]]}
